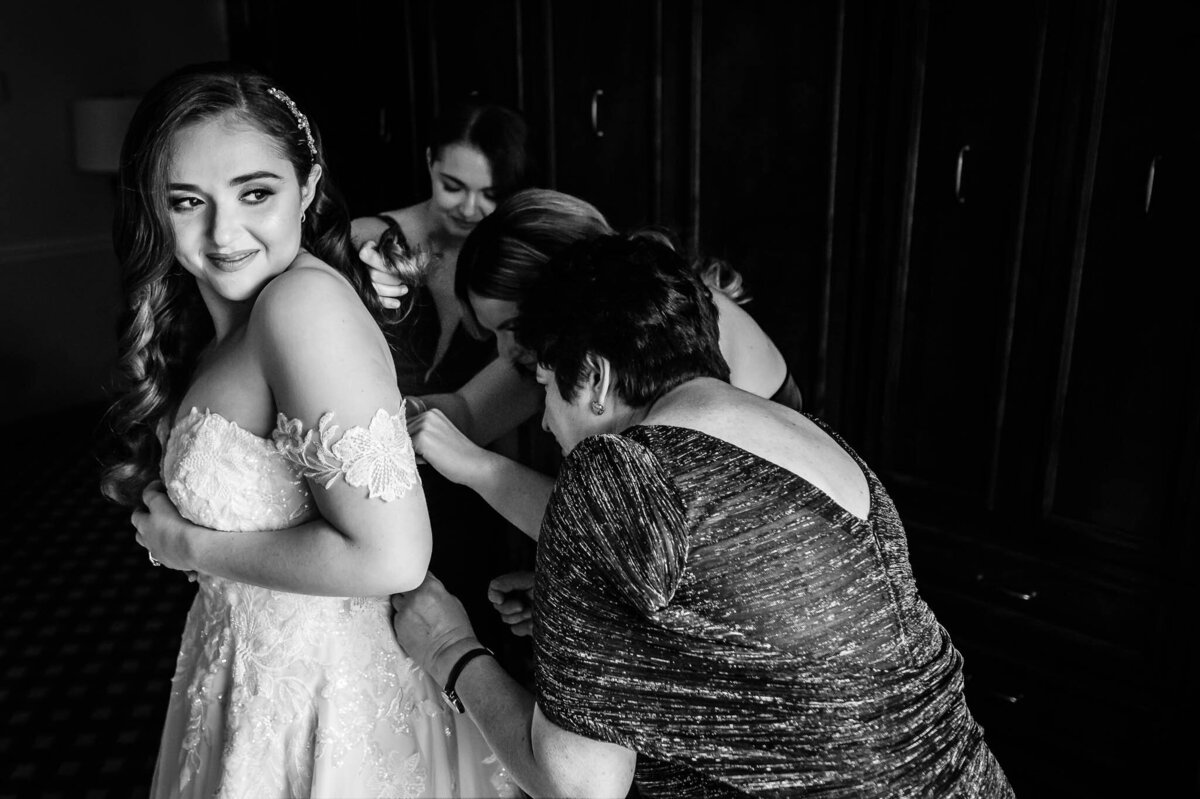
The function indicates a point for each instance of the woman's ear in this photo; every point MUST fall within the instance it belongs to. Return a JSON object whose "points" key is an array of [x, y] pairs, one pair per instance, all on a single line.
{"points": [[308, 191], [429, 159], [599, 378]]}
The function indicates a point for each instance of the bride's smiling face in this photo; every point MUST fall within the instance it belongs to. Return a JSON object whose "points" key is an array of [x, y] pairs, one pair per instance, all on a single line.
{"points": [[235, 207]]}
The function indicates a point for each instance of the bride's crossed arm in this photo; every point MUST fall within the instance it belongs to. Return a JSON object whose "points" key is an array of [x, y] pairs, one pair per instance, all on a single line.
{"points": [[321, 353]]}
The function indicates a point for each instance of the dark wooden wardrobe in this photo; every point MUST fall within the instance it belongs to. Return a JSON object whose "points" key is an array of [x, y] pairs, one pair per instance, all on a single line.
{"points": [[961, 222]]}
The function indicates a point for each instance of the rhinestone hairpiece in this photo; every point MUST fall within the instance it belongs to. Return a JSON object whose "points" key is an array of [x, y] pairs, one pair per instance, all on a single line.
{"points": [[301, 120]]}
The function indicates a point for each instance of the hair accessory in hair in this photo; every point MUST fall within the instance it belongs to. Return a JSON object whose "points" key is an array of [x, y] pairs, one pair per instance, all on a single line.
{"points": [[301, 120]]}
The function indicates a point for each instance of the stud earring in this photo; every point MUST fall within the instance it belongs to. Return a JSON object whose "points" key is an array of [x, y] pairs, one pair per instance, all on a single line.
{"points": [[598, 407]]}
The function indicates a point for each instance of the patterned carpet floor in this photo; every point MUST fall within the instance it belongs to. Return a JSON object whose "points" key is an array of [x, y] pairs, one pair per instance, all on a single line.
{"points": [[88, 629]]}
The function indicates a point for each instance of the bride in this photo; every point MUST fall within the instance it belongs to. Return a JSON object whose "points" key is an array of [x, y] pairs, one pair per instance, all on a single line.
{"points": [[258, 385]]}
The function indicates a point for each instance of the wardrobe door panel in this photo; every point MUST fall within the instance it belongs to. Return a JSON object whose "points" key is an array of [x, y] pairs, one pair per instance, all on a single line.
{"points": [[948, 344], [1127, 407], [476, 51], [604, 78], [355, 85], [766, 89]]}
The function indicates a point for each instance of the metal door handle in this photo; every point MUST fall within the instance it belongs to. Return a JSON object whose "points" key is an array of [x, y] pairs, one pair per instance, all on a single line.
{"points": [[1008, 699], [596, 95], [385, 132], [958, 173], [1150, 181], [1015, 593]]}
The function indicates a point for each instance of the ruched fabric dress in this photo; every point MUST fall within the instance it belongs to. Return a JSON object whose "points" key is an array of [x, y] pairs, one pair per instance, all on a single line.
{"points": [[281, 695], [742, 632]]}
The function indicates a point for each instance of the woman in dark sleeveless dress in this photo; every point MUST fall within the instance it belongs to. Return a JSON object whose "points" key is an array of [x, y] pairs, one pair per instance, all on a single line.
{"points": [[476, 157], [724, 602]]}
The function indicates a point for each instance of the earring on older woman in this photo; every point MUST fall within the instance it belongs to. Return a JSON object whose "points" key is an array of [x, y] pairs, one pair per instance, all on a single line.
{"points": [[598, 407]]}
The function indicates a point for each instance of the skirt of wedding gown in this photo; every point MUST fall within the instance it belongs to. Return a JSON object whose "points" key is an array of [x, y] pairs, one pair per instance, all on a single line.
{"points": [[282, 695]]}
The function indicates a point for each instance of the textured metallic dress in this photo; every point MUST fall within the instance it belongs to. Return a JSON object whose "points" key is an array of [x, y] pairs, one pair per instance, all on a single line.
{"points": [[742, 632]]}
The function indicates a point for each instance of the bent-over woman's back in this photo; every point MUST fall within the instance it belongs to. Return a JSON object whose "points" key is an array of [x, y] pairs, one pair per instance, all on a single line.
{"points": [[743, 632]]}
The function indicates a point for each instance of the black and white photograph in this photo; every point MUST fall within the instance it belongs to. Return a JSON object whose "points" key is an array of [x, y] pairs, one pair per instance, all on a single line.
{"points": [[599, 398]]}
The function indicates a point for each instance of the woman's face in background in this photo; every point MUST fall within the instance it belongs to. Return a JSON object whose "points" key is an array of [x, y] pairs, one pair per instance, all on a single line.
{"points": [[500, 317], [462, 188], [235, 205]]}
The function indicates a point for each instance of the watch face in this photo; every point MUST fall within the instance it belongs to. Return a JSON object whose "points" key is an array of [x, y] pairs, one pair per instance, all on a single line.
{"points": [[449, 695], [451, 700]]}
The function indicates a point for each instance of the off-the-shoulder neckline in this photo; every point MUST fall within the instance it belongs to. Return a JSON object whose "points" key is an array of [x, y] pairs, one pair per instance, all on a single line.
{"points": [[211, 414]]}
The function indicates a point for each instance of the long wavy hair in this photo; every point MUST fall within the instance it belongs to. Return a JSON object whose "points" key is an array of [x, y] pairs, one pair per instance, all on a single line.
{"points": [[164, 322]]}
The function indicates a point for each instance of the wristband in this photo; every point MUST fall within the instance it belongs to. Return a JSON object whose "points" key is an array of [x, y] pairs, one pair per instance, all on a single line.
{"points": [[449, 695]]}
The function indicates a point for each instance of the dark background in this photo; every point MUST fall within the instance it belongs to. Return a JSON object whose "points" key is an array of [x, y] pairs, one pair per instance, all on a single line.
{"points": [[963, 224]]}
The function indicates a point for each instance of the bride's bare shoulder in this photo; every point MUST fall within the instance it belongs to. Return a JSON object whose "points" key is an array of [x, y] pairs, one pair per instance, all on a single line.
{"points": [[312, 296], [307, 280]]}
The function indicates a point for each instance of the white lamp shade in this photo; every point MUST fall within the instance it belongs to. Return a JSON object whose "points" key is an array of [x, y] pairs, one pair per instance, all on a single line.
{"points": [[100, 124]]}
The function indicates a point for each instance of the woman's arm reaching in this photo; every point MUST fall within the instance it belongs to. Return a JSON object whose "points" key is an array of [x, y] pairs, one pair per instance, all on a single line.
{"points": [[516, 492], [546, 760], [490, 404]]}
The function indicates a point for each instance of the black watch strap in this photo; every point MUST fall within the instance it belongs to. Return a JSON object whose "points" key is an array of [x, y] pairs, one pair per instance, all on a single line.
{"points": [[449, 695]]}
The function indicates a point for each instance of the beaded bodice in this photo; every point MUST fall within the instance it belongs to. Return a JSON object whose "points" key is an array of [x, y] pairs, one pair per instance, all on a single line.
{"points": [[223, 477]]}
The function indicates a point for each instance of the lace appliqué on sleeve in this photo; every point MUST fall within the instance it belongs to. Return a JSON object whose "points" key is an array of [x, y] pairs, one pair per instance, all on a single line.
{"points": [[380, 457]]}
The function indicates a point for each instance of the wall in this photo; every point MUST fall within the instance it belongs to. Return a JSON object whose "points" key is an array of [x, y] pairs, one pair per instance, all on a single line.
{"points": [[59, 301]]}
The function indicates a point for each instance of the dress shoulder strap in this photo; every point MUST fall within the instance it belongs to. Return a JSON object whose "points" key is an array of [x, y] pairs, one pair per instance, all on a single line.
{"points": [[394, 228]]}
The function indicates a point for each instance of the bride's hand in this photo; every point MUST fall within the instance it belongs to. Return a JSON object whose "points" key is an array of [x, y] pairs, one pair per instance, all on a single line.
{"points": [[161, 530], [445, 448], [386, 281]]}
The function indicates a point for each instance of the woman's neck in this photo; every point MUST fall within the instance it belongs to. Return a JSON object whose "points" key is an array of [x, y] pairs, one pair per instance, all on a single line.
{"points": [[626, 416], [439, 239], [227, 317], [680, 395]]}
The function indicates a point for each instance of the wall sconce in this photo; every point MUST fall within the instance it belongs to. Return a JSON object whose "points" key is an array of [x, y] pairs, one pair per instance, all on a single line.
{"points": [[100, 125]]}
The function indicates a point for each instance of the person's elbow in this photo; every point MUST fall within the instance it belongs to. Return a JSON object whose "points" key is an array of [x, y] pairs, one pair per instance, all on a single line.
{"points": [[581, 783], [583, 788], [387, 570], [568, 764], [408, 567], [392, 558]]}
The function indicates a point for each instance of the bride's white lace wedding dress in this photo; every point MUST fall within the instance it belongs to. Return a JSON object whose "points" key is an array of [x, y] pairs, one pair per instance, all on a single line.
{"points": [[288, 695]]}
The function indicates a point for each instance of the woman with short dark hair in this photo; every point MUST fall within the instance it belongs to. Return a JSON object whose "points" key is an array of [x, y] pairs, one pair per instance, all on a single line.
{"points": [[723, 595]]}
